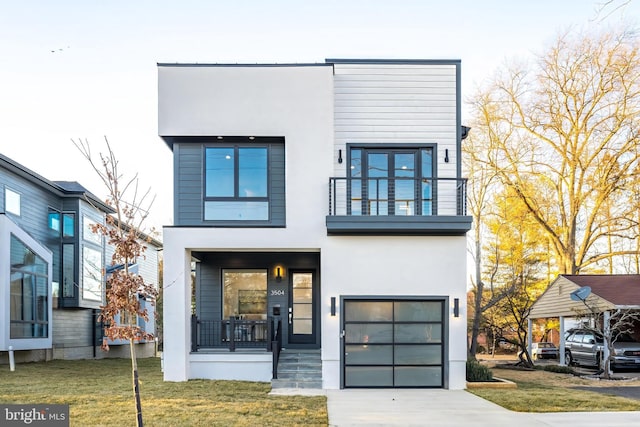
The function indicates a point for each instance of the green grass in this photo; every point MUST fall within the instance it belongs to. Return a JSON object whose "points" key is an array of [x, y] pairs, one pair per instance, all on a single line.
{"points": [[99, 394], [542, 391]]}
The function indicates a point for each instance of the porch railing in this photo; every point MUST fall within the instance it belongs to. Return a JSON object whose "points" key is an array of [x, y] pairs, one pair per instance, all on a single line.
{"points": [[276, 346], [397, 196], [231, 333]]}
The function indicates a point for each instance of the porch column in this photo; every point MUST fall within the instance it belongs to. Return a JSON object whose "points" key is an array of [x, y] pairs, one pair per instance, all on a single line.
{"points": [[177, 307], [561, 340], [607, 333]]}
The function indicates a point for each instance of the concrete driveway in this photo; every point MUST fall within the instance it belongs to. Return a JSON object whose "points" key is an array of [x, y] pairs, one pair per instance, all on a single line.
{"points": [[392, 407]]}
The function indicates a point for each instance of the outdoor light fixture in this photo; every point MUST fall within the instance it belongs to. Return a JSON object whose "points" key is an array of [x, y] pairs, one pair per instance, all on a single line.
{"points": [[456, 307], [446, 155], [278, 274], [339, 156], [333, 306]]}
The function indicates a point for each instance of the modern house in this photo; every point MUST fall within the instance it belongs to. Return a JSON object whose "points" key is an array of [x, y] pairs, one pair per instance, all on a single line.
{"points": [[52, 274], [319, 208]]}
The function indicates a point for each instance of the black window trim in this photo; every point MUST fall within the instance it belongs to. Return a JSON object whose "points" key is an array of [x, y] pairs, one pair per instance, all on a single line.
{"points": [[236, 146]]}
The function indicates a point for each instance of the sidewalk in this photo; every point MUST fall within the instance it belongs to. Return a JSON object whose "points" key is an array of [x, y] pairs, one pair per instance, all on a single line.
{"points": [[389, 407]]}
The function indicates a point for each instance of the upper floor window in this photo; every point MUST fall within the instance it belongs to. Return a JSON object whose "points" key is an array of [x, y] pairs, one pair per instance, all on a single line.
{"points": [[391, 180], [11, 201], [236, 183], [61, 223], [68, 224]]}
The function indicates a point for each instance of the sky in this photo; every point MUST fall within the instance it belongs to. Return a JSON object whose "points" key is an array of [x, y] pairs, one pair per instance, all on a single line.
{"points": [[87, 69]]}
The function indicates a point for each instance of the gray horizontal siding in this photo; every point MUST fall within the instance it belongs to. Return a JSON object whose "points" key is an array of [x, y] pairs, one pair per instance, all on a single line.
{"points": [[72, 328]]}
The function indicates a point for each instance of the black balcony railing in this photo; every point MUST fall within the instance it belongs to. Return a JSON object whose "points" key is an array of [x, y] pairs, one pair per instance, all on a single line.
{"points": [[397, 196], [231, 334]]}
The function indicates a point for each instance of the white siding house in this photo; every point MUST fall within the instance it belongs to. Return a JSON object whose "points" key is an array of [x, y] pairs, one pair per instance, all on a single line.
{"points": [[319, 208]]}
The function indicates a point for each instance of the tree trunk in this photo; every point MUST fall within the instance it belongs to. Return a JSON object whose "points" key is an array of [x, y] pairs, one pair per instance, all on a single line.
{"points": [[136, 384], [477, 312]]}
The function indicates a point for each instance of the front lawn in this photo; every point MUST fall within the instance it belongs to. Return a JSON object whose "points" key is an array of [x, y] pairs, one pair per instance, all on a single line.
{"points": [[541, 391], [99, 394]]}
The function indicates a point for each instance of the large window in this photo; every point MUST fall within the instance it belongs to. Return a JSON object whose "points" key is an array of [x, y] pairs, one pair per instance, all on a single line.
{"points": [[391, 181], [29, 309], [245, 294], [236, 183]]}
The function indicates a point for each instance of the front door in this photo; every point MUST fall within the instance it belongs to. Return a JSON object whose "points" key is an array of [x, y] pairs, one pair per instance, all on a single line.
{"points": [[302, 322]]}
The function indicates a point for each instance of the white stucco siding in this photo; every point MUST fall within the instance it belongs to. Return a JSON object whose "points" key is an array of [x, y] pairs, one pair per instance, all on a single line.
{"points": [[397, 103], [243, 100], [394, 266]]}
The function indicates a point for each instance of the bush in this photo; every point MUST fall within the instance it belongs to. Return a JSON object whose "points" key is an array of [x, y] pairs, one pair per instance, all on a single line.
{"points": [[477, 372], [558, 369]]}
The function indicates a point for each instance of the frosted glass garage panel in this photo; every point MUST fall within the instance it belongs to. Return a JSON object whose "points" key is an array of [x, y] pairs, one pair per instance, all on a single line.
{"points": [[418, 376], [418, 311], [418, 354], [369, 354], [363, 311], [369, 376]]}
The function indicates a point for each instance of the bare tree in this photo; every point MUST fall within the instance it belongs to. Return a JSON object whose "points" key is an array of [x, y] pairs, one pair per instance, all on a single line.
{"points": [[123, 230], [609, 323], [565, 142]]}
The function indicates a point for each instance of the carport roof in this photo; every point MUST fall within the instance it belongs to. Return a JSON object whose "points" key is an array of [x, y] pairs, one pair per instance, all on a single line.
{"points": [[608, 291]]}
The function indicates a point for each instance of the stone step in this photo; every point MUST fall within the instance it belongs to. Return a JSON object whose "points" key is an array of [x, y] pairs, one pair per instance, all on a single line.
{"points": [[287, 383], [299, 369]]}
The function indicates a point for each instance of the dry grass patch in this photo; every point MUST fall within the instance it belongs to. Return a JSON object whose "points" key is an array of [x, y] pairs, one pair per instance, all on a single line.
{"points": [[542, 391], [99, 394]]}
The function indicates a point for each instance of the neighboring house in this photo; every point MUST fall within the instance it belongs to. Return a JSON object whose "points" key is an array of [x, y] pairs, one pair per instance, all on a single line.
{"points": [[324, 201], [52, 286], [601, 293]]}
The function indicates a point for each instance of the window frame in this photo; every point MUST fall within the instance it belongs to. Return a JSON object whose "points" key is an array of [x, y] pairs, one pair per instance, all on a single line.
{"points": [[237, 197], [417, 149]]}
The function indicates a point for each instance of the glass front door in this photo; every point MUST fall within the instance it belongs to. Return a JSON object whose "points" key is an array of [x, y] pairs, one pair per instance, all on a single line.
{"points": [[301, 308]]}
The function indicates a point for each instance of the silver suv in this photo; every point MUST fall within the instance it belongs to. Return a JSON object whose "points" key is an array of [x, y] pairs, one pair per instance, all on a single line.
{"points": [[585, 347]]}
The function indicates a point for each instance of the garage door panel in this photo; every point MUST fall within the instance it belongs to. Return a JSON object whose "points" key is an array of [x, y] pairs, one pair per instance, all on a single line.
{"points": [[411, 376], [369, 354], [418, 355], [418, 311], [369, 333], [364, 311], [369, 376], [417, 333]]}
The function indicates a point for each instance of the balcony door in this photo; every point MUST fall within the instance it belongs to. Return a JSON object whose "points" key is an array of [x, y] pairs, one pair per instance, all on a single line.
{"points": [[391, 181]]}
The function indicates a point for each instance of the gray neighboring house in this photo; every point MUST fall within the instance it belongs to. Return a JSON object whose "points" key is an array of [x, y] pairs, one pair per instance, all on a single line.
{"points": [[52, 271]]}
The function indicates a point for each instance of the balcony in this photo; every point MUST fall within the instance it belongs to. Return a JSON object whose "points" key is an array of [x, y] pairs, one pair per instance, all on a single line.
{"points": [[401, 206]]}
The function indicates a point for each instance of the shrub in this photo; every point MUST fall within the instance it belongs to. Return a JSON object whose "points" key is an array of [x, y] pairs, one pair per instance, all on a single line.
{"points": [[558, 369], [477, 372]]}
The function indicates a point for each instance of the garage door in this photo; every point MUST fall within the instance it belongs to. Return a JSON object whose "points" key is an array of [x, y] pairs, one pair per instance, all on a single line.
{"points": [[393, 343]]}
